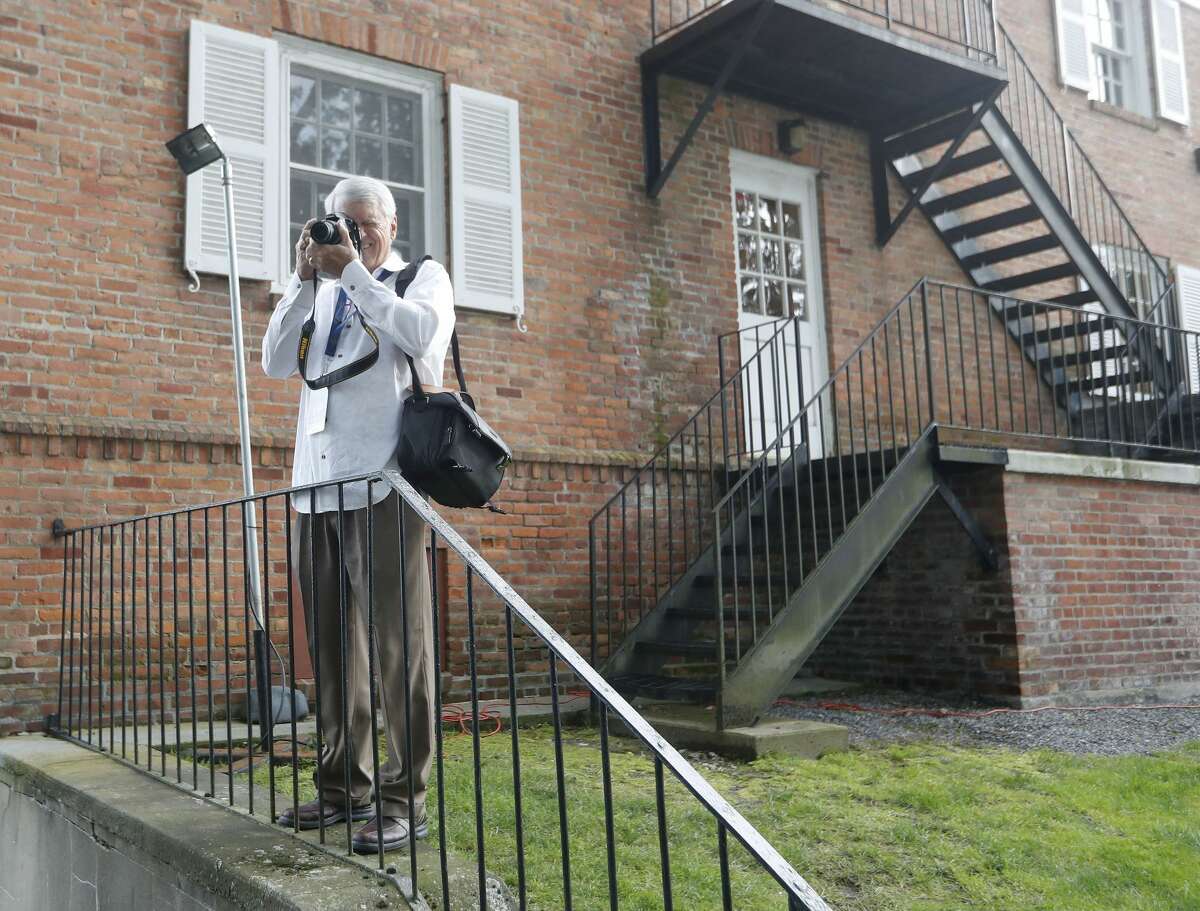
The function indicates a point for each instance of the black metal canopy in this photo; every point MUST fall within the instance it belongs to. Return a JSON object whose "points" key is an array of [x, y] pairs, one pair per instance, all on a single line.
{"points": [[810, 58]]}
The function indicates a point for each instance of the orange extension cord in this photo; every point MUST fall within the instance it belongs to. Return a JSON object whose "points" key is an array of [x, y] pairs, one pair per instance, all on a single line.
{"points": [[950, 713], [488, 714]]}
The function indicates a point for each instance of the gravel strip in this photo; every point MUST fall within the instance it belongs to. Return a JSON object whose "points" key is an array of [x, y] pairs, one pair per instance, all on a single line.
{"points": [[1113, 732]]}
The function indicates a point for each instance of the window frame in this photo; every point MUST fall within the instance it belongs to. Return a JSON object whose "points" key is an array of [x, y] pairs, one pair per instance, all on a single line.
{"points": [[1135, 60], [387, 74]]}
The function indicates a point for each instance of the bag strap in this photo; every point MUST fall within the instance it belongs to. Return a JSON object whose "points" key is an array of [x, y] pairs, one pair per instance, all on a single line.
{"points": [[458, 371], [403, 280]]}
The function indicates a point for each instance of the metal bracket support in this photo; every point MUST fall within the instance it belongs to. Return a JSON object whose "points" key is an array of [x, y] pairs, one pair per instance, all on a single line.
{"points": [[886, 229], [656, 172], [987, 552], [879, 188]]}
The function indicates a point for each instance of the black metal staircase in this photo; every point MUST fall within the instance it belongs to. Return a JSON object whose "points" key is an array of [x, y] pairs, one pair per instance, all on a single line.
{"points": [[782, 530], [1067, 338], [1024, 211]]}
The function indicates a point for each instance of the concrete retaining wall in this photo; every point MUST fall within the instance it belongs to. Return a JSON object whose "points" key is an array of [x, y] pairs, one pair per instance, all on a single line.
{"points": [[80, 830]]}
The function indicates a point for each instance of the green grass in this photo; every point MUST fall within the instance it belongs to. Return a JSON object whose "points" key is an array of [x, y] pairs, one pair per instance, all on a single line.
{"points": [[914, 827]]}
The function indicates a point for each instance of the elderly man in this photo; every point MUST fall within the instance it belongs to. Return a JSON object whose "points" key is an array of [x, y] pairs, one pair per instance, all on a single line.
{"points": [[349, 428]]}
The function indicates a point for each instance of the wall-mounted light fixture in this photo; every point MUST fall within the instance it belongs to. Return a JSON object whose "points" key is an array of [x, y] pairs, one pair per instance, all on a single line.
{"points": [[788, 135]]}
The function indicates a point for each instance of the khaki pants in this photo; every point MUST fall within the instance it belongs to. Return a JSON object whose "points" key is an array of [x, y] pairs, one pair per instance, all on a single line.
{"points": [[353, 741]]}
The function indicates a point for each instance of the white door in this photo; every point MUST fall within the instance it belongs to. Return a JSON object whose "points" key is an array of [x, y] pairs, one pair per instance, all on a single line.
{"points": [[778, 276]]}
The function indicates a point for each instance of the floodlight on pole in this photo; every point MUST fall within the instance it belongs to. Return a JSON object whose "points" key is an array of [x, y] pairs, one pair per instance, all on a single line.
{"points": [[195, 149]]}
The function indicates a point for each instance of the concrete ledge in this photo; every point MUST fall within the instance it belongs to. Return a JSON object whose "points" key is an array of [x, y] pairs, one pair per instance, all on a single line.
{"points": [[82, 830], [1108, 468], [693, 728]]}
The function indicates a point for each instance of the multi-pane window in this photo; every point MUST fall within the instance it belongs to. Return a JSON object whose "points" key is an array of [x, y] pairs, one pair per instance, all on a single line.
{"points": [[770, 256], [340, 127], [1114, 33], [1140, 277]]}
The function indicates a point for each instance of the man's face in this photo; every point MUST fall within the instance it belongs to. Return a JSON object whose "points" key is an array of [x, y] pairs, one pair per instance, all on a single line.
{"points": [[375, 231]]}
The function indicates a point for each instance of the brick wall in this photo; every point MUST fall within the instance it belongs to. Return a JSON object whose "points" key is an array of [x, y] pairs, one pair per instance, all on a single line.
{"points": [[1146, 162], [1095, 598], [1106, 587], [933, 617], [103, 344], [624, 294], [540, 546]]}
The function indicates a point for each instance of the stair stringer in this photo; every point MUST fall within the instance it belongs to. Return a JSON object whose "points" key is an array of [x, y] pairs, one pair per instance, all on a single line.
{"points": [[1063, 226], [766, 669]]}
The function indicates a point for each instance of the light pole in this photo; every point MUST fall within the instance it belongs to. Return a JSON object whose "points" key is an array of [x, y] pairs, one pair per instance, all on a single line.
{"points": [[195, 149]]}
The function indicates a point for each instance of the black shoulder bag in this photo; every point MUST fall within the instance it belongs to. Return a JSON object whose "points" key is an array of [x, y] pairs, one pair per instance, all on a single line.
{"points": [[446, 450]]}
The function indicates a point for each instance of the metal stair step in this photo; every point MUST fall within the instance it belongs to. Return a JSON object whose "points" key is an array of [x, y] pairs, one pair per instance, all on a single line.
{"points": [[1001, 186], [1012, 309], [1087, 356], [1036, 277], [1010, 251], [959, 164], [992, 224], [1112, 381], [1076, 298], [703, 648], [927, 136], [709, 580], [706, 613], [672, 689], [1074, 329]]}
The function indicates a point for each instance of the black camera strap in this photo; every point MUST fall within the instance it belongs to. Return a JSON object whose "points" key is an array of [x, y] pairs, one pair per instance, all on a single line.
{"points": [[403, 280]]}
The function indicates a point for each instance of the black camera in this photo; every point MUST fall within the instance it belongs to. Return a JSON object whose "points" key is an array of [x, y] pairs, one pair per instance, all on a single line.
{"points": [[326, 231]]}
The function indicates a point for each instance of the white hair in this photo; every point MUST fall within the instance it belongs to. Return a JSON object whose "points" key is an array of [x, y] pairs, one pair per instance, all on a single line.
{"points": [[361, 189]]}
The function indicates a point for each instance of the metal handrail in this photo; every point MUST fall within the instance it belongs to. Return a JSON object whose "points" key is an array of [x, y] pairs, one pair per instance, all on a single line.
{"points": [[729, 818], [114, 640], [668, 492], [1069, 171], [967, 25], [665, 448], [802, 415], [951, 368], [1132, 327]]}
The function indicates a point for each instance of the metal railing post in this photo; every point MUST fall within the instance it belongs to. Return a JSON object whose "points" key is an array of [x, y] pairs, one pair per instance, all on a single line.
{"points": [[928, 350], [991, 5]]}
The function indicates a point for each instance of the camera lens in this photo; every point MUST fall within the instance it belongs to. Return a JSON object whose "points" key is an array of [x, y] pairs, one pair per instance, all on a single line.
{"points": [[324, 232]]}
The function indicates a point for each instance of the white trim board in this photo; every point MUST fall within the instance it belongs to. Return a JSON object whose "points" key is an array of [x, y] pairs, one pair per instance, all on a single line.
{"points": [[1108, 468]]}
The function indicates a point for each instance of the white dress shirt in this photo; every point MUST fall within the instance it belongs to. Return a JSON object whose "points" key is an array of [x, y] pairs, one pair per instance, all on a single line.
{"points": [[353, 427]]}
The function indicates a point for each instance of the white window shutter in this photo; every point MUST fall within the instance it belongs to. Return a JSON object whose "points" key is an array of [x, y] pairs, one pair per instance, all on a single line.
{"points": [[485, 201], [1187, 286], [233, 87], [1170, 73], [1074, 48]]}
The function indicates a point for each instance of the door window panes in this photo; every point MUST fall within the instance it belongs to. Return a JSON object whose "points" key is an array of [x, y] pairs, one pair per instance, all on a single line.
{"points": [[341, 127], [770, 255]]}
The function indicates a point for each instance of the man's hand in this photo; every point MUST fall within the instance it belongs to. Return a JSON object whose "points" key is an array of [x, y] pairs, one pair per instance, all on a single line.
{"points": [[330, 258], [303, 268]]}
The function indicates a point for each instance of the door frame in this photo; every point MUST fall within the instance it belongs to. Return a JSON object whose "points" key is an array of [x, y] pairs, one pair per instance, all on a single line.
{"points": [[801, 180]]}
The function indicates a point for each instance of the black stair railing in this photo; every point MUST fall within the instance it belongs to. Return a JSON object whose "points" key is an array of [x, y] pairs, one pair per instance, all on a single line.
{"points": [[941, 359], [1077, 183], [155, 668], [642, 541], [792, 503], [965, 26]]}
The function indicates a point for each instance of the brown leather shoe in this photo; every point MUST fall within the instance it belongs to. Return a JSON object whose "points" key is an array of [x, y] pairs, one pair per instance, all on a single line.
{"points": [[310, 814], [393, 832]]}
